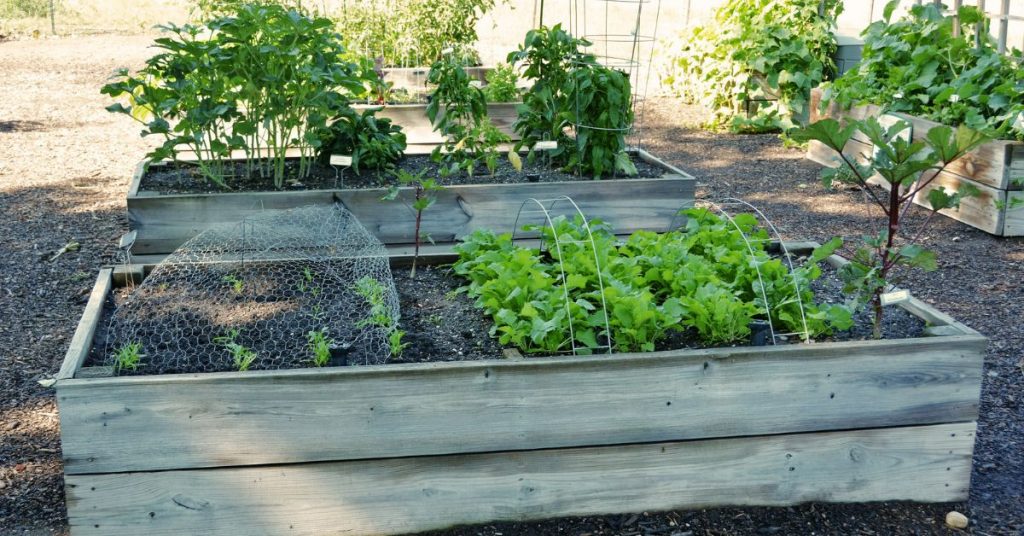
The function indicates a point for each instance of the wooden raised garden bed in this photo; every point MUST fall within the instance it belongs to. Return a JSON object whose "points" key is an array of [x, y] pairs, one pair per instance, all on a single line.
{"points": [[416, 77], [420, 131], [410, 447], [996, 169], [165, 221]]}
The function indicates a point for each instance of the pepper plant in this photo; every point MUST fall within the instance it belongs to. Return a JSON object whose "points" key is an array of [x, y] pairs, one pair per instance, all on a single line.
{"points": [[547, 57], [458, 110], [572, 93], [909, 168]]}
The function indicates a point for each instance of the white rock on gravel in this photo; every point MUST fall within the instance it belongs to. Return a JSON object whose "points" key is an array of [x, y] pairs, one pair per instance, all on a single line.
{"points": [[956, 520]]}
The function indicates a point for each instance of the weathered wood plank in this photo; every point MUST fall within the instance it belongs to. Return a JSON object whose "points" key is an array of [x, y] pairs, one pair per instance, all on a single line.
{"points": [[165, 222], [982, 211], [81, 341], [924, 464], [1013, 218], [218, 419]]}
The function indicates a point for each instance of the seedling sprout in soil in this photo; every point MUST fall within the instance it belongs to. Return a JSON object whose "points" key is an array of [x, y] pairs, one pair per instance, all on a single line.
{"points": [[909, 167], [128, 356], [422, 201], [242, 357], [320, 345], [380, 314]]}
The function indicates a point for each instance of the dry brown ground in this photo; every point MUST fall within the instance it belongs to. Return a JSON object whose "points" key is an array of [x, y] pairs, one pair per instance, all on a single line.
{"points": [[64, 167]]}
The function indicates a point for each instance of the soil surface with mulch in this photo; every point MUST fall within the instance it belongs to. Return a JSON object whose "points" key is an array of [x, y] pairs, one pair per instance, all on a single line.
{"points": [[440, 324], [51, 112], [186, 179]]}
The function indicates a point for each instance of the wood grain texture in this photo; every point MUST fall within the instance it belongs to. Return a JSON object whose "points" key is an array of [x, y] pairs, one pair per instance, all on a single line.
{"points": [[290, 416], [81, 341], [164, 222], [924, 464]]}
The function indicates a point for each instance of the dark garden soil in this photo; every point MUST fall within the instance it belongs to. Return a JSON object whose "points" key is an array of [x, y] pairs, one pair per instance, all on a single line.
{"points": [[64, 170], [440, 324], [186, 179]]}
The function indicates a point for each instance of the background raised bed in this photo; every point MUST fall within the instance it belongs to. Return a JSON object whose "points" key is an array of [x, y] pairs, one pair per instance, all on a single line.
{"points": [[165, 221], [996, 169]]}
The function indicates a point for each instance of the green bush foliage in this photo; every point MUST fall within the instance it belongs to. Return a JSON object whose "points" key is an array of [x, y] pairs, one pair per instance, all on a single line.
{"points": [[920, 65], [410, 33], [755, 64], [702, 278], [262, 80]]}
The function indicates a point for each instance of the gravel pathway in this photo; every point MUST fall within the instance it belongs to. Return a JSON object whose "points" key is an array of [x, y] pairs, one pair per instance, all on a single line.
{"points": [[64, 168]]}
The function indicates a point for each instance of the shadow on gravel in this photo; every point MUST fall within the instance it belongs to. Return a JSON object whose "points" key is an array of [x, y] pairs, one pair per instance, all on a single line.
{"points": [[23, 126]]}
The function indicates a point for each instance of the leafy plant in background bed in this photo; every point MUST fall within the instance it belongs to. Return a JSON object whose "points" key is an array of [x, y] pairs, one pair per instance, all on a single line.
{"points": [[755, 65], [937, 66], [501, 84], [373, 142], [459, 111], [908, 167], [261, 81], [412, 32], [703, 278]]}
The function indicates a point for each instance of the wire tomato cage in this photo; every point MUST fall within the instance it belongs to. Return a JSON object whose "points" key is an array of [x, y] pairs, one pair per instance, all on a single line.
{"points": [[622, 35]]}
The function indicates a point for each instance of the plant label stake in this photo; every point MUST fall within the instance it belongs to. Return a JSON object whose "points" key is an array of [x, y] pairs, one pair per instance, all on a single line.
{"points": [[897, 296], [340, 161], [545, 145]]}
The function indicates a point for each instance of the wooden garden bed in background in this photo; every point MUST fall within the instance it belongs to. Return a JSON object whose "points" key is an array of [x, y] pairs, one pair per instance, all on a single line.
{"points": [[410, 447], [416, 77], [165, 221], [420, 131], [996, 168]]}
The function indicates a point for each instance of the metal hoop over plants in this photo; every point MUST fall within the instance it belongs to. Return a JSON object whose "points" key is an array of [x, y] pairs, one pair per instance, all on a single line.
{"points": [[544, 208], [775, 237]]}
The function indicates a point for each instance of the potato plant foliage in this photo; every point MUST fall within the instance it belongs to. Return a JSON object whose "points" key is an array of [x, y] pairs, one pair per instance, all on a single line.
{"points": [[262, 80], [701, 279], [934, 65], [754, 52]]}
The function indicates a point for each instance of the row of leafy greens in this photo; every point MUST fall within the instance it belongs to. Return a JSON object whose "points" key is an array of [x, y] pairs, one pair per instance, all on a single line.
{"points": [[712, 278]]}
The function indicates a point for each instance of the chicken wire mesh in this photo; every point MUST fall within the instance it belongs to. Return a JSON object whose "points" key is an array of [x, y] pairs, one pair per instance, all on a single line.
{"points": [[282, 289]]}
